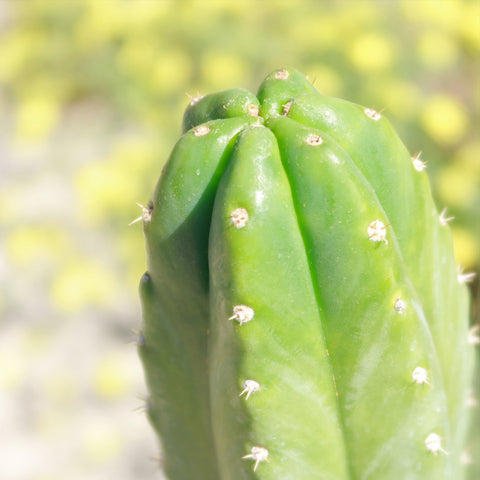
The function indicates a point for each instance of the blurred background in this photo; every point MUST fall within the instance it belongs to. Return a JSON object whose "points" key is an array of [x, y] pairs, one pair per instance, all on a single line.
{"points": [[91, 99]]}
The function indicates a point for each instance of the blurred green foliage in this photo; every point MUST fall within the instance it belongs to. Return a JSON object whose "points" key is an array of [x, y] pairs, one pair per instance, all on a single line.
{"points": [[91, 99]]}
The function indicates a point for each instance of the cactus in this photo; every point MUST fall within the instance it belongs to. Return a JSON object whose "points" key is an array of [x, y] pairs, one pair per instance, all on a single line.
{"points": [[303, 315]]}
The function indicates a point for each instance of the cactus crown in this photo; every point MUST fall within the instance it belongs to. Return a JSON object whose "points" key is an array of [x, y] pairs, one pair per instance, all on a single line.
{"points": [[303, 316]]}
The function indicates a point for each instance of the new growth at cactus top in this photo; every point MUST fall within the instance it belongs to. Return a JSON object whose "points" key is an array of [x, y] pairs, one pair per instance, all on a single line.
{"points": [[303, 317]]}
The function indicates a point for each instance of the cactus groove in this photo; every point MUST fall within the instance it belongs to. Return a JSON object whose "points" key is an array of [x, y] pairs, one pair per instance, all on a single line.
{"points": [[302, 314]]}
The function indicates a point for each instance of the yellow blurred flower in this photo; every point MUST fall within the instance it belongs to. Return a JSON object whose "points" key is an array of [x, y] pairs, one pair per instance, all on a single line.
{"points": [[400, 97], [325, 79], [222, 70], [437, 49], [136, 56], [101, 442], [131, 248], [82, 283], [30, 244], [111, 187], [16, 47], [468, 157], [446, 13], [457, 186], [99, 24], [372, 52], [37, 115], [469, 26], [318, 30], [445, 119], [466, 247], [171, 71], [112, 379]]}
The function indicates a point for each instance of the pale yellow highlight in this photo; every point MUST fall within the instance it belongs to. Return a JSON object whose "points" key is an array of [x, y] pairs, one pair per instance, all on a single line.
{"points": [[111, 378], [82, 283], [465, 247], [445, 119], [372, 52]]}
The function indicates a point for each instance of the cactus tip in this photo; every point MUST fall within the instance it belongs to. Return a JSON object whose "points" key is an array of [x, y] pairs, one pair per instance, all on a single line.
{"points": [[400, 305], [373, 114], [377, 231], [433, 443], [314, 139], [146, 215], [282, 74], [252, 110], [249, 387], [286, 108], [242, 314], [194, 100], [464, 277], [259, 454], [418, 164], [145, 278], [444, 219], [420, 376], [139, 337], [145, 406], [239, 217], [201, 130]]}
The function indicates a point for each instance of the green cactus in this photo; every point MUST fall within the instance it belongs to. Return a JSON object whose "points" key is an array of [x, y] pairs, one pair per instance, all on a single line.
{"points": [[303, 316]]}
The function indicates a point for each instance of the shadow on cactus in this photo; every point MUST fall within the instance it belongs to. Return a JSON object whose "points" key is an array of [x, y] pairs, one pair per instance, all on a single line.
{"points": [[303, 314]]}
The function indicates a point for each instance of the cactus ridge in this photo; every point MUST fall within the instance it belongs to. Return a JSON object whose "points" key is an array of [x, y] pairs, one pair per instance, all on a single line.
{"points": [[294, 323]]}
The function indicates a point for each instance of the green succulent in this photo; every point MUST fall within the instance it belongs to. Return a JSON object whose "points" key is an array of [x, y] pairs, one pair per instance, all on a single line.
{"points": [[303, 313]]}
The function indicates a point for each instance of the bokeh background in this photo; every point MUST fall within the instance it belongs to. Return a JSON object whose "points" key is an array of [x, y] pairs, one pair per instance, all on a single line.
{"points": [[91, 99]]}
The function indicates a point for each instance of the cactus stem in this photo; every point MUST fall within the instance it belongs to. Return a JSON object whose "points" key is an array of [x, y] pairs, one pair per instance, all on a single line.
{"points": [[146, 215], [473, 337], [239, 217], [433, 442], [444, 219], [373, 114], [250, 386], [400, 305], [420, 376], [242, 314], [418, 164], [259, 454], [314, 139], [201, 130], [377, 232]]}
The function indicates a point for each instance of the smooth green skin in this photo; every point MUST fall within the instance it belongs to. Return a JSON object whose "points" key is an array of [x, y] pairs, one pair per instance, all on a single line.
{"points": [[405, 195], [226, 104], [284, 350], [174, 297], [333, 357]]}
